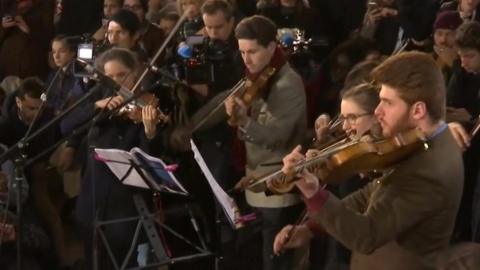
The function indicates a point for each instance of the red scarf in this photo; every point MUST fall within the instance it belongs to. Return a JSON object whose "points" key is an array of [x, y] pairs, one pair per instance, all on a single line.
{"points": [[278, 60]]}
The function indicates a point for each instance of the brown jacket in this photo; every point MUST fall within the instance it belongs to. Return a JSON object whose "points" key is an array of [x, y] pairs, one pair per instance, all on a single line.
{"points": [[403, 219]]}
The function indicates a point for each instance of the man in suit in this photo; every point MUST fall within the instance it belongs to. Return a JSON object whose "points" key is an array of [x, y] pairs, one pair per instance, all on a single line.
{"points": [[403, 219], [272, 125]]}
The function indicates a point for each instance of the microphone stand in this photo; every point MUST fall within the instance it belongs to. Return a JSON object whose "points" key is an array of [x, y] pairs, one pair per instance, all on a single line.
{"points": [[104, 113], [19, 164], [18, 154], [18, 151]]}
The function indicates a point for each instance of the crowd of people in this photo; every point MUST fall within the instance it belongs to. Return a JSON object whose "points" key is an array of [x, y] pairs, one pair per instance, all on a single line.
{"points": [[319, 78]]}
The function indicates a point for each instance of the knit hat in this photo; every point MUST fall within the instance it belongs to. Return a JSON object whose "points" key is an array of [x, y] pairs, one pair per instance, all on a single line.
{"points": [[447, 20]]}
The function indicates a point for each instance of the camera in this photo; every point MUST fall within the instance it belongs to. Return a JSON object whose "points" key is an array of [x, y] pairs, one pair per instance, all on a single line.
{"points": [[85, 51], [199, 59]]}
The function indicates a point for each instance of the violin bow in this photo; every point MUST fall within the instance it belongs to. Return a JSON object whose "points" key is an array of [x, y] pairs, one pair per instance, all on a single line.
{"points": [[161, 49]]}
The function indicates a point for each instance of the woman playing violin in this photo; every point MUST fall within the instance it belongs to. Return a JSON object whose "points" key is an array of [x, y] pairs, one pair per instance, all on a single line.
{"points": [[356, 115], [402, 220], [102, 193], [358, 121]]}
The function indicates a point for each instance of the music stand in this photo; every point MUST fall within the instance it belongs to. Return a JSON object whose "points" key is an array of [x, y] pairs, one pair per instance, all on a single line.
{"points": [[146, 220]]}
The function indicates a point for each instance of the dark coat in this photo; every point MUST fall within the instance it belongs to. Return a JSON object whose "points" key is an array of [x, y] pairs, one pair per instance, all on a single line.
{"points": [[404, 219]]}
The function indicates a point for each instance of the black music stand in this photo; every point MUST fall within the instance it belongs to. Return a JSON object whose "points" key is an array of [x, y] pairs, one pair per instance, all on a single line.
{"points": [[147, 221]]}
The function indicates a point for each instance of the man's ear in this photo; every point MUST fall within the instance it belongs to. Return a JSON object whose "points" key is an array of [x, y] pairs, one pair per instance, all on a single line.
{"points": [[419, 110]]}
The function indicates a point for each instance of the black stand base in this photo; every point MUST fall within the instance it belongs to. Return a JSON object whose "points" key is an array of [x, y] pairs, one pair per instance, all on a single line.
{"points": [[147, 221]]}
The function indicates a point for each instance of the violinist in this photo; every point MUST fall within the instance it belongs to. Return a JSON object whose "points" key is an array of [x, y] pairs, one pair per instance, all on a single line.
{"points": [[273, 124], [403, 219], [356, 115], [101, 192], [358, 121]]}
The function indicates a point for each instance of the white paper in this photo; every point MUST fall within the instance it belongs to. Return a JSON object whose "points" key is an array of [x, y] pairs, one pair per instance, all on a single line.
{"points": [[225, 201], [154, 169], [118, 161]]}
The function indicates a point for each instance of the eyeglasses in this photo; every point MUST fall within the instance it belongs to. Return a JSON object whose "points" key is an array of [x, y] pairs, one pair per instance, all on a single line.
{"points": [[352, 118]]}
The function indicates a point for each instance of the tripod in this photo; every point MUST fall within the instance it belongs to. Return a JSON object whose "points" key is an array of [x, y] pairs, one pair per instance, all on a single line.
{"points": [[146, 222]]}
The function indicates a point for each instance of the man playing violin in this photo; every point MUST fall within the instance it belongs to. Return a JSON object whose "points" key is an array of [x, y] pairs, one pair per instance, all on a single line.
{"points": [[273, 124], [401, 220]]}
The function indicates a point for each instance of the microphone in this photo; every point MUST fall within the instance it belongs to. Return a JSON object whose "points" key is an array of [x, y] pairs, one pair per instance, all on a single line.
{"points": [[286, 37], [184, 50]]}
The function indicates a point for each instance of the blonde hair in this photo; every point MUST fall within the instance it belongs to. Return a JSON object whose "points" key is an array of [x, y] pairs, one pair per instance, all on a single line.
{"points": [[180, 10]]}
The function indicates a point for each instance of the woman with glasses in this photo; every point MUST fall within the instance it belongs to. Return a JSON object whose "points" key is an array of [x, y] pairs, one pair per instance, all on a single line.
{"points": [[356, 116], [357, 120]]}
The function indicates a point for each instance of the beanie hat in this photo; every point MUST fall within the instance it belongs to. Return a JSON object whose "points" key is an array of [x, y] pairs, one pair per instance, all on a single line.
{"points": [[447, 20]]}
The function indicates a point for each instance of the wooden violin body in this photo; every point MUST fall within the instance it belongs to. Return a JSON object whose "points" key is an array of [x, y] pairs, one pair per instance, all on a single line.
{"points": [[255, 89], [133, 110], [346, 160]]}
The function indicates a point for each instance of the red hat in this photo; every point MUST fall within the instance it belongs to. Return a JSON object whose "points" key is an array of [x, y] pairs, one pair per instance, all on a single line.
{"points": [[447, 20]]}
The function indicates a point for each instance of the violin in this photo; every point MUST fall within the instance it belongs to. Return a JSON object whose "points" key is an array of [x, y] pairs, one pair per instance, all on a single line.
{"points": [[247, 90], [133, 110], [339, 163], [135, 114], [253, 90]]}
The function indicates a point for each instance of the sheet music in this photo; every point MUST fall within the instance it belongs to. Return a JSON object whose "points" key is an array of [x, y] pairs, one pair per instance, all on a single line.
{"points": [[225, 201], [153, 169], [118, 161], [158, 169]]}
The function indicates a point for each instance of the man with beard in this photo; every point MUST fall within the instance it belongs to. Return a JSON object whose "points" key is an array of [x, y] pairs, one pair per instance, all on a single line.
{"points": [[404, 218]]}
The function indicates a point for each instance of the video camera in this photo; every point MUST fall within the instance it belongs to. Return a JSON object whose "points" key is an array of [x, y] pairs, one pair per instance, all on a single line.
{"points": [[86, 48], [198, 57]]}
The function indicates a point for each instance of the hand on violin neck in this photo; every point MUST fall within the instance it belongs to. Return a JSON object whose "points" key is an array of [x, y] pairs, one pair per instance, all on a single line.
{"points": [[312, 153], [237, 110], [291, 160]]}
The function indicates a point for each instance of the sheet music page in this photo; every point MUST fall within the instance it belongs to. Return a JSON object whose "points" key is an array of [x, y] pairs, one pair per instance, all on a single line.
{"points": [[222, 197], [157, 169], [118, 161]]}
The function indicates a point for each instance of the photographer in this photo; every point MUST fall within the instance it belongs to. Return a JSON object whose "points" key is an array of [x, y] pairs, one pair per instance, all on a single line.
{"points": [[218, 49], [194, 21], [220, 52]]}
